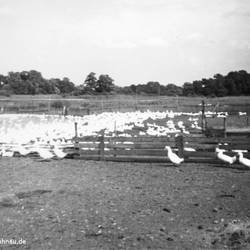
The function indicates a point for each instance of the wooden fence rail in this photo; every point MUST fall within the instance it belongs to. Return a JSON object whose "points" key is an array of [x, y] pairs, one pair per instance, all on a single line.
{"points": [[151, 148]]}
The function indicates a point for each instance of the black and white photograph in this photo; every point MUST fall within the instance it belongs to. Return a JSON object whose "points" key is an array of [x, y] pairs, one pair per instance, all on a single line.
{"points": [[124, 124]]}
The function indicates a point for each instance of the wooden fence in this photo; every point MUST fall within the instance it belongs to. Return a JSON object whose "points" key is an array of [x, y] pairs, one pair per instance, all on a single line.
{"points": [[143, 148], [205, 146], [151, 148]]}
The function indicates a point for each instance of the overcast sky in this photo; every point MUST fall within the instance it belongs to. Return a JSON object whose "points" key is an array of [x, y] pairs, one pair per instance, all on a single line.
{"points": [[134, 41]]}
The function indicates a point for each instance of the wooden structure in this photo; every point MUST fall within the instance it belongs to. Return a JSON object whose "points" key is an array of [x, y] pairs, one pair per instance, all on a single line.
{"points": [[151, 148], [135, 149], [205, 146]]}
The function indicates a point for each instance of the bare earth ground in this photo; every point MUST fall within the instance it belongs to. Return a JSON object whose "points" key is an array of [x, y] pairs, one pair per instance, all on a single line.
{"points": [[74, 204]]}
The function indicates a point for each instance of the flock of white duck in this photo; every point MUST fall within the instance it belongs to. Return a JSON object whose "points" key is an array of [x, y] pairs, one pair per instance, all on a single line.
{"points": [[232, 159], [220, 153], [42, 129], [48, 135]]}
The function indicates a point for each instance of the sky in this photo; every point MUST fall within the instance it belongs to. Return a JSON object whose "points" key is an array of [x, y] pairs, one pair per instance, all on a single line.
{"points": [[133, 41]]}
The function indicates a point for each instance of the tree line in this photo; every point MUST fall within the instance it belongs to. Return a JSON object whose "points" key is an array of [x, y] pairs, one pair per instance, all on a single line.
{"points": [[32, 82]]}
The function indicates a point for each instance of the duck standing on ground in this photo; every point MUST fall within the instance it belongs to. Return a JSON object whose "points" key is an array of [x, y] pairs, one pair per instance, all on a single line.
{"points": [[22, 150], [174, 158], [44, 153], [225, 158], [59, 152], [5, 153], [244, 161]]}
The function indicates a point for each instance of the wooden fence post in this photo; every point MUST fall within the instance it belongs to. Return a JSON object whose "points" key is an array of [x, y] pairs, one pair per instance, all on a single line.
{"points": [[76, 144], [114, 139], [32, 105], [225, 126], [136, 101], [205, 125], [203, 118], [180, 145], [114, 148], [76, 133], [64, 111], [49, 106], [177, 103], [102, 105], [101, 146]]}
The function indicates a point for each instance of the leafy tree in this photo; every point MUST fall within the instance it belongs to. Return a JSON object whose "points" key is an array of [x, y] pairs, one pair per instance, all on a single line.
{"points": [[65, 86], [39, 84], [173, 90], [152, 88], [54, 82], [3, 80], [208, 87], [198, 89], [15, 83], [133, 88], [90, 83], [230, 86], [220, 89], [25, 75], [32, 82], [188, 89], [105, 84]]}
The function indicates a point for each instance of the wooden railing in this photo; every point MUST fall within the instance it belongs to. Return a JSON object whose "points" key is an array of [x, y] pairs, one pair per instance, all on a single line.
{"points": [[151, 148], [143, 148]]}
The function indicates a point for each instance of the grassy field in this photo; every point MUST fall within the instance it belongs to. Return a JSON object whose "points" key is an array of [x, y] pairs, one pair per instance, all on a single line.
{"points": [[72, 204], [97, 104]]}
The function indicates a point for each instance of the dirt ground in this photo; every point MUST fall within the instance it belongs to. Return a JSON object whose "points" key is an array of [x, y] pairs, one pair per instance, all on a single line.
{"points": [[75, 204]]}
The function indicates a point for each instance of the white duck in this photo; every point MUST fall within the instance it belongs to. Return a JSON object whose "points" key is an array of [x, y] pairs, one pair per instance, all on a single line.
{"points": [[225, 158], [244, 161], [5, 153], [44, 153], [189, 149], [22, 150], [174, 158], [59, 152]]}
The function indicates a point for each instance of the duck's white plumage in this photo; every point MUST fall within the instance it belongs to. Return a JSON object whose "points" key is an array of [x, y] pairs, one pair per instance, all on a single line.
{"points": [[189, 149], [22, 150], [59, 152], [244, 161], [44, 153], [5, 153], [174, 158], [225, 158]]}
